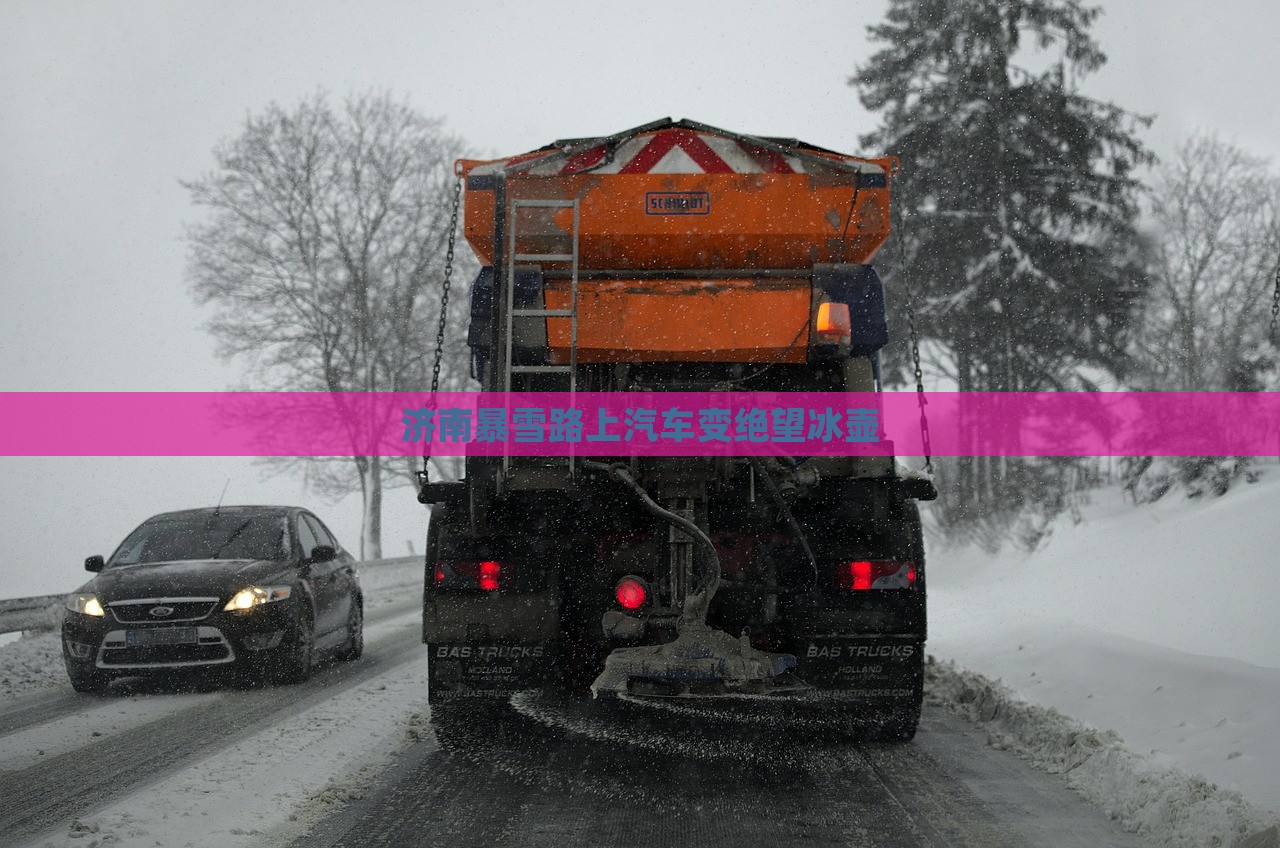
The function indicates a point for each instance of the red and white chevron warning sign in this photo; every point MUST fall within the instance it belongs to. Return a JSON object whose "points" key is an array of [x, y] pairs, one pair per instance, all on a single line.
{"points": [[676, 150]]}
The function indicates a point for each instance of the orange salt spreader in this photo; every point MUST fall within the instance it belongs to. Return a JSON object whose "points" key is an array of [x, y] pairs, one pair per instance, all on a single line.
{"points": [[676, 257], [683, 242]]}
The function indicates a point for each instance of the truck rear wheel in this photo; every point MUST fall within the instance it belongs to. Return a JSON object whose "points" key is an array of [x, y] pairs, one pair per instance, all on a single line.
{"points": [[472, 724], [898, 730], [902, 720]]}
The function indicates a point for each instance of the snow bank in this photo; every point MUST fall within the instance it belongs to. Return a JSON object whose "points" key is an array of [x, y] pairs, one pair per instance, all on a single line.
{"points": [[1155, 623], [30, 664], [1163, 805], [1209, 716], [1195, 575]]}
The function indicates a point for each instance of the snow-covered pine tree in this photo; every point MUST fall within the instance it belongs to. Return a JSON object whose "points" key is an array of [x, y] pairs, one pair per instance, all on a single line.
{"points": [[1017, 201]]}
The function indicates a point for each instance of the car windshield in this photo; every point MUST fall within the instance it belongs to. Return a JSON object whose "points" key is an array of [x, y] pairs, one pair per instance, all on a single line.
{"points": [[207, 537]]}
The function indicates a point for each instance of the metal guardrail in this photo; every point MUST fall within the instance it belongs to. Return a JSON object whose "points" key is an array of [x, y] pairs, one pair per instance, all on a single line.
{"points": [[45, 611], [39, 613]]}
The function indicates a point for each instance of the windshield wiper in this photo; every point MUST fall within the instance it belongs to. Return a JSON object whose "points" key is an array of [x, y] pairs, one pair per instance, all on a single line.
{"points": [[231, 538]]}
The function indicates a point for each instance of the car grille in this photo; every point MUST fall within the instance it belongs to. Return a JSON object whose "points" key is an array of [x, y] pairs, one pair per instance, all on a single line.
{"points": [[210, 647], [165, 655], [183, 609]]}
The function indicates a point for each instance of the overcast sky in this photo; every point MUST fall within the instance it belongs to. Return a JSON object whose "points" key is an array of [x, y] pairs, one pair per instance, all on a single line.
{"points": [[104, 107]]}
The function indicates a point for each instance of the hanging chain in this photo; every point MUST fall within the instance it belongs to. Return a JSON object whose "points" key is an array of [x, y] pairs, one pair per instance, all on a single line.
{"points": [[919, 373], [896, 234], [1275, 309], [444, 313]]}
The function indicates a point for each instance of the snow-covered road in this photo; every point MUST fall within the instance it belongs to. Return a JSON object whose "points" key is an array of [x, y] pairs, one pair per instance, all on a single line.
{"points": [[348, 758], [149, 765], [586, 774]]}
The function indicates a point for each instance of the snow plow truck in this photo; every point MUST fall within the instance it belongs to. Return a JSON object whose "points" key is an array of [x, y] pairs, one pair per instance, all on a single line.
{"points": [[678, 257]]}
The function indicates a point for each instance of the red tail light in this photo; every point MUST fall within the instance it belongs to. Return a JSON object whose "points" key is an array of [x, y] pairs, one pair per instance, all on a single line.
{"points": [[485, 575], [876, 574], [631, 593]]}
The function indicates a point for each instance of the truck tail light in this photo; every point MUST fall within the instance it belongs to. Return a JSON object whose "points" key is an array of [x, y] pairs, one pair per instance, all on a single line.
{"points": [[832, 324], [876, 574], [631, 593], [485, 575]]}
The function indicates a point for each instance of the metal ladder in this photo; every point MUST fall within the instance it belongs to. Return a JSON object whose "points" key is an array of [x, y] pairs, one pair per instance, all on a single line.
{"points": [[571, 370]]}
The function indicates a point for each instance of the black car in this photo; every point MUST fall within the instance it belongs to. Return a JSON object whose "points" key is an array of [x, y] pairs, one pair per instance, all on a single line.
{"points": [[263, 588]]}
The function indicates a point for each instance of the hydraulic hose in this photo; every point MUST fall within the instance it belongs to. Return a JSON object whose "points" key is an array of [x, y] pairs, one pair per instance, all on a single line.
{"points": [[781, 503], [696, 604]]}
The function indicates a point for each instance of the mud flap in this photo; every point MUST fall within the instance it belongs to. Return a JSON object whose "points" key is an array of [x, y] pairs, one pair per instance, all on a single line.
{"points": [[487, 669], [878, 671]]}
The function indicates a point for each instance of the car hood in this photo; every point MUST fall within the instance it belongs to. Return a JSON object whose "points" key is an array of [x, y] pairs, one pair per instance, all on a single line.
{"points": [[189, 578]]}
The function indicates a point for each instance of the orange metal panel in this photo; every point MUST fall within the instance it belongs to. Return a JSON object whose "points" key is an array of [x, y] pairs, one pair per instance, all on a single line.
{"points": [[694, 221], [738, 320]]}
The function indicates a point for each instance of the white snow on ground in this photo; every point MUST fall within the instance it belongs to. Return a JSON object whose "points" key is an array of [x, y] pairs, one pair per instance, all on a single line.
{"points": [[31, 663], [270, 788], [101, 719], [104, 718], [266, 789], [1165, 806], [1152, 627], [1199, 576], [1155, 622]]}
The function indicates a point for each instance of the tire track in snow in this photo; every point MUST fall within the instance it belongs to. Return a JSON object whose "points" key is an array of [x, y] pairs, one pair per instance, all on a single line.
{"points": [[44, 707], [46, 795], [523, 782]]}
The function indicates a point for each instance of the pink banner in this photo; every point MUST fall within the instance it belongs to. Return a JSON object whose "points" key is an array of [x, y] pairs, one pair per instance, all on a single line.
{"points": [[640, 424]]}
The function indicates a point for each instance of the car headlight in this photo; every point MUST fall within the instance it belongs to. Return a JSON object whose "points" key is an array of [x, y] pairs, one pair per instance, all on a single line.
{"points": [[85, 605], [256, 596]]}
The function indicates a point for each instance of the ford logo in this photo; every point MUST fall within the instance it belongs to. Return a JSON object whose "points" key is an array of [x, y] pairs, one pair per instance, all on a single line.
{"points": [[161, 612]]}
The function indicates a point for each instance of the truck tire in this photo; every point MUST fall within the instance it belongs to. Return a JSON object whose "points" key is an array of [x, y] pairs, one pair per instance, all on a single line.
{"points": [[902, 726], [470, 725], [449, 724], [897, 730], [886, 717]]}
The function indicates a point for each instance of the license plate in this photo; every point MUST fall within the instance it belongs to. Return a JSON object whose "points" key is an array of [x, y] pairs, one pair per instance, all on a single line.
{"points": [[162, 636]]}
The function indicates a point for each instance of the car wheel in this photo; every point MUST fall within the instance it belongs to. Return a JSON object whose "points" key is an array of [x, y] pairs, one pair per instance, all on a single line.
{"points": [[355, 633], [88, 681], [295, 660]]}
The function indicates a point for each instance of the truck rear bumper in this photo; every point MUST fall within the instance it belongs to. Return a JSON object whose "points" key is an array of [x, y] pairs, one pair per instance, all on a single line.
{"points": [[488, 670], [863, 668]]}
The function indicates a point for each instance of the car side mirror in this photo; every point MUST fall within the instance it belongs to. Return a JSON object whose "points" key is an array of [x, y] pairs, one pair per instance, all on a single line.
{"points": [[323, 553], [94, 563]]}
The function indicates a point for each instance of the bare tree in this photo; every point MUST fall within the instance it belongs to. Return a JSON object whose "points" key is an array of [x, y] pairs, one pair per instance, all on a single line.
{"points": [[1215, 243], [323, 254], [1216, 214]]}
